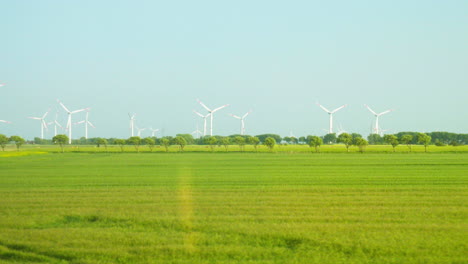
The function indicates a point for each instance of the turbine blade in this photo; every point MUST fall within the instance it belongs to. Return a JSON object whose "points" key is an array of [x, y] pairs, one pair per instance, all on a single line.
{"points": [[324, 109], [66, 109], [204, 106], [372, 111], [339, 108], [198, 113], [219, 108], [58, 124], [4, 121], [91, 124], [46, 114], [247, 114], [386, 112], [77, 111], [238, 117], [44, 124], [36, 118]]}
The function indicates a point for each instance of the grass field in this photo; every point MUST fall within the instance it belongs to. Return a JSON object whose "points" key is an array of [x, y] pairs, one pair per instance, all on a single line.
{"points": [[98, 207]]}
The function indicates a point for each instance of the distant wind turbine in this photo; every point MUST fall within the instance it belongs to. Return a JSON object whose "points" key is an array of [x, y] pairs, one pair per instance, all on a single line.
{"points": [[132, 123], [204, 120], [43, 123], [69, 122], [153, 131], [376, 129], [86, 122], [140, 130], [242, 130], [197, 133], [330, 113], [55, 123], [211, 113]]}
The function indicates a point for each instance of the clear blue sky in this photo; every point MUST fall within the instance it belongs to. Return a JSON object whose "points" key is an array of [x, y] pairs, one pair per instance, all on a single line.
{"points": [[278, 58]]}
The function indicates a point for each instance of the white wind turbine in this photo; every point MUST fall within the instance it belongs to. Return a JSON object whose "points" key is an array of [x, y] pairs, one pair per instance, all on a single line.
{"points": [[132, 123], [69, 122], [197, 133], [43, 123], [330, 113], [376, 129], [242, 131], [86, 122], [153, 131], [55, 123], [139, 130], [211, 114], [204, 121]]}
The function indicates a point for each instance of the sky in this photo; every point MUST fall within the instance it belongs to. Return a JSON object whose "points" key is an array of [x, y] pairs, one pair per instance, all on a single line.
{"points": [[276, 58]]}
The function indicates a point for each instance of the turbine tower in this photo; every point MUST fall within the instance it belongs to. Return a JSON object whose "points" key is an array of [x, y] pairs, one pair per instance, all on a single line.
{"points": [[211, 114], [69, 122], [242, 130], [376, 129], [86, 122], [132, 123], [204, 121], [330, 113], [43, 123]]}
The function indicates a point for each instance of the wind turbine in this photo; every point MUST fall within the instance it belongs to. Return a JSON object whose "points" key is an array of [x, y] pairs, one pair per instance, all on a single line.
{"points": [[204, 121], [376, 129], [330, 113], [43, 123], [55, 123], [69, 122], [132, 123], [242, 131], [153, 131], [197, 132], [211, 114], [86, 122], [139, 130]]}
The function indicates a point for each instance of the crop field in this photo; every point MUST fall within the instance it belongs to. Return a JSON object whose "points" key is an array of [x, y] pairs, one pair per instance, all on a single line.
{"points": [[292, 206]]}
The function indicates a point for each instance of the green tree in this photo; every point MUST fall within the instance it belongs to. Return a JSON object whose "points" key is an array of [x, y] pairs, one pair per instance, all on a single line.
{"points": [[188, 138], [361, 144], [165, 142], [330, 138], [101, 141], [61, 140], [19, 141], [270, 143], [211, 141], [315, 142], [254, 141], [135, 141], [392, 140], [180, 141], [355, 136], [150, 142], [121, 143], [346, 139], [3, 141], [375, 139], [240, 141], [424, 139], [225, 141]]}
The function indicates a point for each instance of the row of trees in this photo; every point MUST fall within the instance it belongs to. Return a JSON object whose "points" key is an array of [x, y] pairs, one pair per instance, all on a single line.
{"points": [[17, 140]]}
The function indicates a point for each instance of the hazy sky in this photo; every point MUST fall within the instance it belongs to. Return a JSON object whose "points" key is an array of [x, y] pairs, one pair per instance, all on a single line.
{"points": [[278, 58]]}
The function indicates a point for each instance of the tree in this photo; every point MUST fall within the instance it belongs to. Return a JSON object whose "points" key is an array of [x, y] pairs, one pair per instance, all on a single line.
{"points": [[407, 139], [61, 140], [315, 142], [302, 140], [19, 141], [330, 138], [180, 141], [270, 143], [240, 141], [355, 136], [165, 142], [254, 141], [101, 141], [392, 140], [211, 141], [3, 141], [188, 138], [225, 141], [361, 144], [346, 139], [276, 137], [121, 143], [135, 141], [150, 142], [424, 139], [375, 139]]}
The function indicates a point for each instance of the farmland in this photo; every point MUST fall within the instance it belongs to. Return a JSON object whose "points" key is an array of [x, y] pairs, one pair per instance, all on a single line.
{"points": [[292, 206]]}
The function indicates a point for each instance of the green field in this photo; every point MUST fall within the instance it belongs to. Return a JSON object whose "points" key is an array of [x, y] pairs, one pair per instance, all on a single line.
{"points": [[292, 206]]}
